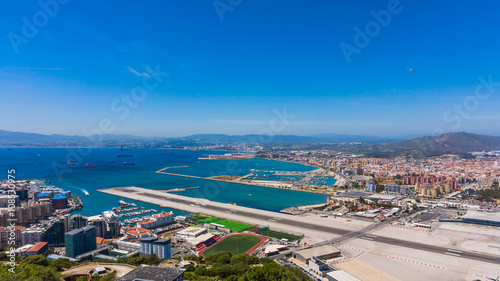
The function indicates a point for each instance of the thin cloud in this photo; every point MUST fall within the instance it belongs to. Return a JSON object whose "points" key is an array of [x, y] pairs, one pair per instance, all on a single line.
{"points": [[484, 117], [33, 68], [137, 73]]}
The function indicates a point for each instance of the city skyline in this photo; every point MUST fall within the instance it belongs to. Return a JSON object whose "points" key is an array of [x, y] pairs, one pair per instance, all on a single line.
{"points": [[233, 70]]}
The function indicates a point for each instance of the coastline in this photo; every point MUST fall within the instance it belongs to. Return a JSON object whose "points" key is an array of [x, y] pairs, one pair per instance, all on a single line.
{"points": [[236, 181]]}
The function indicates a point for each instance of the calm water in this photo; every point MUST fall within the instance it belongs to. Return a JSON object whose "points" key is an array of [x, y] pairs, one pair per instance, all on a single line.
{"points": [[52, 164]]}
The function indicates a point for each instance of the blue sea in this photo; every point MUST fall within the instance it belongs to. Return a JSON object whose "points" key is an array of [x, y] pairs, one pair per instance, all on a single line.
{"points": [[53, 164]]}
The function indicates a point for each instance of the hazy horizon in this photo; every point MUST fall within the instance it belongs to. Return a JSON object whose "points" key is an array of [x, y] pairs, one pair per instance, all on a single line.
{"points": [[176, 69]]}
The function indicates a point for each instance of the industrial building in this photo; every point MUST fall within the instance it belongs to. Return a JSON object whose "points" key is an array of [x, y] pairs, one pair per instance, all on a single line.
{"points": [[323, 253], [482, 218]]}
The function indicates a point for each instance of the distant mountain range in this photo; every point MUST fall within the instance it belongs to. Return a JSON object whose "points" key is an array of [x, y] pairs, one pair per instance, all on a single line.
{"points": [[457, 142], [450, 143]]}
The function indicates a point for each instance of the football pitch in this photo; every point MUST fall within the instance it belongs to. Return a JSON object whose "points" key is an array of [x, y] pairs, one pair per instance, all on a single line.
{"points": [[235, 244]]}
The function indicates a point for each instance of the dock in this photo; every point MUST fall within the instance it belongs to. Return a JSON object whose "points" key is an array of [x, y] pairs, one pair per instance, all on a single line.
{"points": [[278, 221], [177, 175]]}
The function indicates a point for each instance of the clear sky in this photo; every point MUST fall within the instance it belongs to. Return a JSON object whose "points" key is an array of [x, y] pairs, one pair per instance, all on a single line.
{"points": [[232, 65]]}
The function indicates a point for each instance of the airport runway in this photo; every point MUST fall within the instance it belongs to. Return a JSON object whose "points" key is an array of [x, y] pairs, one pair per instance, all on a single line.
{"points": [[290, 223], [434, 249]]}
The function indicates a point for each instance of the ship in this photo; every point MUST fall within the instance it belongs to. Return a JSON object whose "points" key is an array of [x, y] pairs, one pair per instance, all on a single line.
{"points": [[111, 161], [72, 160], [125, 163], [123, 203], [165, 153], [124, 155], [89, 166]]}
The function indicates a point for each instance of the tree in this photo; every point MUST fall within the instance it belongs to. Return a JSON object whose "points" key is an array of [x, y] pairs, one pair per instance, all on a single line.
{"points": [[60, 264], [221, 257], [244, 259], [38, 260]]}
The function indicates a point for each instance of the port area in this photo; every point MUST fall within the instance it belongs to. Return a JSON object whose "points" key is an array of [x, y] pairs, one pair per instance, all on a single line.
{"points": [[315, 181], [279, 221]]}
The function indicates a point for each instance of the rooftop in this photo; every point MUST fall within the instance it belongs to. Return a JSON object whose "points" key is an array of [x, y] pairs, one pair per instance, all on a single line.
{"points": [[38, 246], [479, 215], [318, 251]]}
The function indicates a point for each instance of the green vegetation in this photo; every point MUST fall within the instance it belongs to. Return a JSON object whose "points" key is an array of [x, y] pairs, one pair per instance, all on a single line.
{"points": [[34, 268], [489, 194], [235, 244], [276, 234], [199, 217], [152, 259], [243, 267], [234, 226]]}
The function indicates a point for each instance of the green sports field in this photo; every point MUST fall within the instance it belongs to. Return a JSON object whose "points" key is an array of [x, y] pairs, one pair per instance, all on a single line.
{"points": [[234, 226], [276, 234], [236, 244]]}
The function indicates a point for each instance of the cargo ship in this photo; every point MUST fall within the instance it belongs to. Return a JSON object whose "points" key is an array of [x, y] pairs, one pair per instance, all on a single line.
{"points": [[124, 155], [125, 163], [89, 166]]}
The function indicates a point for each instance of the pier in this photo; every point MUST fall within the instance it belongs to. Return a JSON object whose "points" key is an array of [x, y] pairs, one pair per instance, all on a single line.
{"points": [[177, 175]]}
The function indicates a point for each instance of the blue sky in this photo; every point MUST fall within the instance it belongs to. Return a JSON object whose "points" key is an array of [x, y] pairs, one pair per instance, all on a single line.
{"points": [[230, 71]]}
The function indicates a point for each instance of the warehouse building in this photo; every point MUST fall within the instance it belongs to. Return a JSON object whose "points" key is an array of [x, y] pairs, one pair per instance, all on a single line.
{"points": [[322, 253]]}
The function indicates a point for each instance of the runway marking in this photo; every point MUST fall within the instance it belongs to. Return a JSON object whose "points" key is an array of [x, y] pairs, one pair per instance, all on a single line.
{"points": [[277, 219], [271, 220], [367, 238], [345, 247], [318, 218], [414, 229], [479, 275], [373, 236], [457, 251], [416, 262], [452, 254]]}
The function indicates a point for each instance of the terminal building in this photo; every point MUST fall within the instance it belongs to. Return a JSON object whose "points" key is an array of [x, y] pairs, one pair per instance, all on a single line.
{"points": [[322, 253], [482, 218]]}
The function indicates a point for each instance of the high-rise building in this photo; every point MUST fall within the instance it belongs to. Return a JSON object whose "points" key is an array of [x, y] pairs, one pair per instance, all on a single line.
{"points": [[160, 247], [79, 221], [80, 241], [60, 201], [54, 234], [67, 222], [31, 235]]}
